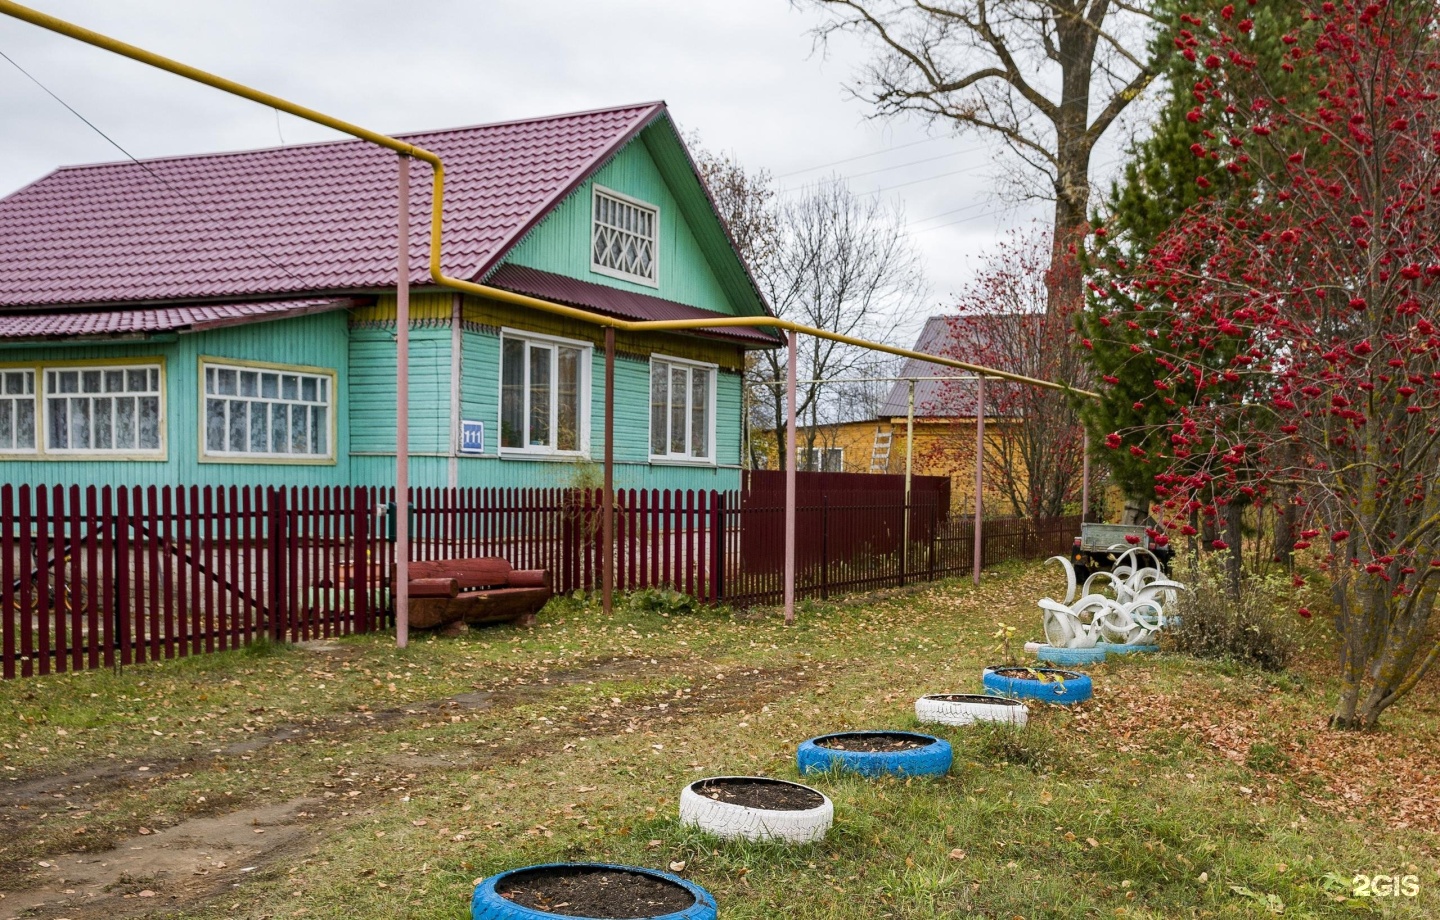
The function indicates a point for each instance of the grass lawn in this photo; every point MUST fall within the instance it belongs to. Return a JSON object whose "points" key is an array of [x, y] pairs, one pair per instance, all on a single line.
{"points": [[350, 779]]}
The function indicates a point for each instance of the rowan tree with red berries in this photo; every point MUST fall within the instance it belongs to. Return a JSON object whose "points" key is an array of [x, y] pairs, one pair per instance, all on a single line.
{"points": [[1302, 353]]}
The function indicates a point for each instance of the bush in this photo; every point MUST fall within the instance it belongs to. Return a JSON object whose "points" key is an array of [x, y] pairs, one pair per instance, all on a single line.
{"points": [[999, 743], [1216, 624], [664, 601]]}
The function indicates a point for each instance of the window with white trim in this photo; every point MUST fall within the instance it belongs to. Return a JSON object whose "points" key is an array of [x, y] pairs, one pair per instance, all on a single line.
{"points": [[825, 460], [681, 410], [262, 412], [544, 394], [17, 411], [103, 410], [623, 238]]}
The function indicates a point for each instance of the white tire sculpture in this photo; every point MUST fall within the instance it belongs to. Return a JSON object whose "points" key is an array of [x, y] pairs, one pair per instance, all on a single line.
{"points": [[1125, 606]]}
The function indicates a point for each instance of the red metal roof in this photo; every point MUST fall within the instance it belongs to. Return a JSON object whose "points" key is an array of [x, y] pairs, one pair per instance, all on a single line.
{"points": [[318, 217], [159, 319], [612, 301], [966, 339]]}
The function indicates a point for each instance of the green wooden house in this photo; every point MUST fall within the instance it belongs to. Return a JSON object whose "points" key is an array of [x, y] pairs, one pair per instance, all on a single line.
{"points": [[230, 318]]}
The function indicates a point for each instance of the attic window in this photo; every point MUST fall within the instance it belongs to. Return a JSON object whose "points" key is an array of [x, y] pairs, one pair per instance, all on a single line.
{"points": [[623, 238]]}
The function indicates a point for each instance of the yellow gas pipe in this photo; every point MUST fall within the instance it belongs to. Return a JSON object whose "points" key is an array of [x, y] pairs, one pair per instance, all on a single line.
{"points": [[90, 37], [71, 30]]}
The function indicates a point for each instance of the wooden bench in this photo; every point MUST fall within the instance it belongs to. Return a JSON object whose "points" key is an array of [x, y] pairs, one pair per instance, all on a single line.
{"points": [[478, 590]]}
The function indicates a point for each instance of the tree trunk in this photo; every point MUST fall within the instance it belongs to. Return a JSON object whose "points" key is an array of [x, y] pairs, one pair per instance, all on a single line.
{"points": [[1065, 283], [1352, 656], [1234, 522]]}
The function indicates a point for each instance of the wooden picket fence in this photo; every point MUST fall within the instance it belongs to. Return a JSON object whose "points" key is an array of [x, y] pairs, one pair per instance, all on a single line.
{"points": [[102, 577]]}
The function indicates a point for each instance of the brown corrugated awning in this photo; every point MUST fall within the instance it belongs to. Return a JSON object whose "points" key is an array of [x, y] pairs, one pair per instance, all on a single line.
{"points": [[615, 302]]}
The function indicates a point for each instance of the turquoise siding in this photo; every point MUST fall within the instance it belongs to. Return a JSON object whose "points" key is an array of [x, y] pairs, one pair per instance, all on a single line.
{"points": [[372, 390], [480, 401], [697, 266], [318, 341], [561, 243], [364, 361]]}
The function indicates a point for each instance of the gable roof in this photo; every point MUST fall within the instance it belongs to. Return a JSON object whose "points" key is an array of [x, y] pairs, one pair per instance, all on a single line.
{"points": [[963, 341], [292, 220]]}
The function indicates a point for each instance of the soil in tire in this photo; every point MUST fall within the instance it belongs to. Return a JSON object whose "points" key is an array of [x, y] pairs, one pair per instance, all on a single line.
{"points": [[587, 892], [873, 742], [769, 794], [1047, 675], [998, 701]]}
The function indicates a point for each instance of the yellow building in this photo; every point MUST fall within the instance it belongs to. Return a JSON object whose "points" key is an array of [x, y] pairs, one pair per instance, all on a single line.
{"points": [[944, 428]]}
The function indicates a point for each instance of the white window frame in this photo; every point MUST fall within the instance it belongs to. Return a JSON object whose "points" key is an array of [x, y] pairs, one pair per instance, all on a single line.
{"points": [[16, 399], [70, 453], [686, 458], [818, 454], [587, 350], [240, 365], [597, 193]]}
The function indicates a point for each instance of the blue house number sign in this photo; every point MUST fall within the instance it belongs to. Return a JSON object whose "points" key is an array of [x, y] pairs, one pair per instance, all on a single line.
{"points": [[472, 437]]}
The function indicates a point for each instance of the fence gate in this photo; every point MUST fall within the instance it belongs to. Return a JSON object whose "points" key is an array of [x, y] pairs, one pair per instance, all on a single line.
{"points": [[99, 577]]}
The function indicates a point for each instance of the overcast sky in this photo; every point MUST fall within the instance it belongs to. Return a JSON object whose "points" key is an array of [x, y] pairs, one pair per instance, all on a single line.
{"points": [[739, 72]]}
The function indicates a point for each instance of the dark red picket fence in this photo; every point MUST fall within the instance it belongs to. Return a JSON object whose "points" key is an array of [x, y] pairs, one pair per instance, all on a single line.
{"points": [[662, 537], [101, 577], [849, 543]]}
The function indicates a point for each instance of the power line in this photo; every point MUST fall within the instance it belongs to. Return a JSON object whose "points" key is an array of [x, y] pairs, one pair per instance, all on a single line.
{"points": [[963, 220], [154, 175], [872, 172], [863, 156], [968, 207]]}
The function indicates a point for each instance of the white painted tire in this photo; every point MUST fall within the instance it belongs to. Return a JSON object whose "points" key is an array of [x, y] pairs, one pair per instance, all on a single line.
{"points": [[730, 821], [970, 708]]}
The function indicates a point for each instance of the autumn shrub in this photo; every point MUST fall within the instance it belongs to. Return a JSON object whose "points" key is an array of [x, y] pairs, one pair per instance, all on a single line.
{"points": [[1030, 746], [1215, 622], [664, 601]]}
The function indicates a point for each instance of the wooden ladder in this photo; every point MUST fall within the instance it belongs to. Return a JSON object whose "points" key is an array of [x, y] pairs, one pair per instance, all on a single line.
{"points": [[880, 451]]}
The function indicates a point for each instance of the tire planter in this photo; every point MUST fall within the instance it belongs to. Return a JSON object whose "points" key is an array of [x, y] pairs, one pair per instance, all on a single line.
{"points": [[731, 820], [1071, 688], [488, 904], [933, 758], [1130, 649], [1072, 657], [966, 708]]}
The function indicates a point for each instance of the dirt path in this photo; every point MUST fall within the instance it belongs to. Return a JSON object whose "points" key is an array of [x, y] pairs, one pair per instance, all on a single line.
{"points": [[205, 856]]}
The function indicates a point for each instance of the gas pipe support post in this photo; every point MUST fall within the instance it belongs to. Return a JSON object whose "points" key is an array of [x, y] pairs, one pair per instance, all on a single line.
{"points": [[607, 501], [790, 478], [979, 471], [401, 588], [909, 464]]}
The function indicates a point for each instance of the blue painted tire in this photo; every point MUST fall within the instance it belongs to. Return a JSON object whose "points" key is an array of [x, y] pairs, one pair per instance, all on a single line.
{"points": [[486, 904], [1071, 657], [1071, 689], [933, 759], [1130, 649]]}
